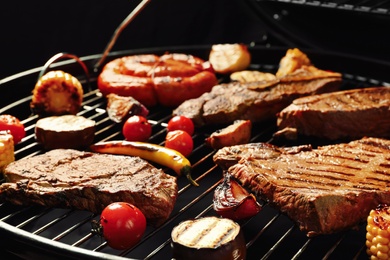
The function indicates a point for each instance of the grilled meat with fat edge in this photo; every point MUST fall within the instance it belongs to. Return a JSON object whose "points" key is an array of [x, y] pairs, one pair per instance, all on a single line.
{"points": [[89, 181], [256, 101], [324, 190], [348, 114]]}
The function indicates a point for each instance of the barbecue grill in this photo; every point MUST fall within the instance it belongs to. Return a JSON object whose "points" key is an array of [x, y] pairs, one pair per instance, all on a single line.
{"points": [[37, 232]]}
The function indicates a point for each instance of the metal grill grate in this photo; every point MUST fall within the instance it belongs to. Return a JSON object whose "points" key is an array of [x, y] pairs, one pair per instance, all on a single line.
{"points": [[36, 231], [370, 6]]}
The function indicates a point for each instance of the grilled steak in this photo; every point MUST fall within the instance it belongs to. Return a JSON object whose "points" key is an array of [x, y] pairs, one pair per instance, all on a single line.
{"points": [[324, 190], [90, 181], [349, 114], [256, 101]]}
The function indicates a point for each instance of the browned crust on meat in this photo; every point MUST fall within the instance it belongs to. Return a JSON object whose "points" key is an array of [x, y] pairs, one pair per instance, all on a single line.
{"points": [[348, 114], [89, 181], [323, 190], [256, 101]]}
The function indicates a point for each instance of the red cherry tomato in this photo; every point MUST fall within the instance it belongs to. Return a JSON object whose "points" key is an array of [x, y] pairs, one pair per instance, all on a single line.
{"points": [[180, 141], [16, 128], [137, 128], [181, 123], [123, 225]]}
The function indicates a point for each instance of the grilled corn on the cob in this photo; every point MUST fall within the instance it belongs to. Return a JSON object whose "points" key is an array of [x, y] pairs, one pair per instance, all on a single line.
{"points": [[6, 149], [57, 93], [378, 233]]}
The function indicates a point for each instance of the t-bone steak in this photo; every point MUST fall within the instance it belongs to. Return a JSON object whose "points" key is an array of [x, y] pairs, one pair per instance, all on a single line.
{"points": [[324, 190], [69, 178]]}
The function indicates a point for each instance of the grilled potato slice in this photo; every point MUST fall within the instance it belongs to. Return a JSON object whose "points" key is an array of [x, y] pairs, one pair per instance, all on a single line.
{"points": [[57, 93]]}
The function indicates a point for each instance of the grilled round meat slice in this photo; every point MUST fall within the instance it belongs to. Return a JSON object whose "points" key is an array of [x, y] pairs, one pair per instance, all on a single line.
{"points": [[89, 181]]}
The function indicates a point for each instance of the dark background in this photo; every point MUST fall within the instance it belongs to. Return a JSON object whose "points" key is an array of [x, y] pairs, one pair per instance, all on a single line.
{"points": [[31, 32], [34, 31]]}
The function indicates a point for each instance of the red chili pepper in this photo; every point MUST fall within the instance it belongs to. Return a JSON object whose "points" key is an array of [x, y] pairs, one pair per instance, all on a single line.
{"points": [[233, 201]]}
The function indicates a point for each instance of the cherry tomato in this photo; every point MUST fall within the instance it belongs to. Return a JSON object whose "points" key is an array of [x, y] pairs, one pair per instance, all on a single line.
{"points": [[180, 141], [181, 123], [13, 124], [123, 225], [137, 128]]}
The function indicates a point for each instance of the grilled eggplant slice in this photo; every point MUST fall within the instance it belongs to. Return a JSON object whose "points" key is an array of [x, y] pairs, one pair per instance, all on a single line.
{"points": [[66, 131], [208, 238]]}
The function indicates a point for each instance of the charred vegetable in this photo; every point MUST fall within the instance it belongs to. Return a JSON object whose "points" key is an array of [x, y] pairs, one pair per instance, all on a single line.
{"points": [[6, 149], [229, 58], [232, 201], [57, 93], [152, 152], [378, 233], [66, 131], [208, 238], [119, 108]]}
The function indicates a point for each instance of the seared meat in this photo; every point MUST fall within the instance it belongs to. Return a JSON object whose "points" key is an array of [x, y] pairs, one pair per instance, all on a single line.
{"points": [[349, 114], [324, 190], [90, 181], [256, 101]]}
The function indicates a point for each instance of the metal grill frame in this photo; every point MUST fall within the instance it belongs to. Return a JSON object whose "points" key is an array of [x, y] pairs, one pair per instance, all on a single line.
{"points": [[35, 231]]}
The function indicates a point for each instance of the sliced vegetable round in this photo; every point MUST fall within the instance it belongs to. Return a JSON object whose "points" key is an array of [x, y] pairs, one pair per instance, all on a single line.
{"points": [[180, 141], [208, 238], [14, 126], [181, 123], [66, 131], [123, 225], [137, 128]]}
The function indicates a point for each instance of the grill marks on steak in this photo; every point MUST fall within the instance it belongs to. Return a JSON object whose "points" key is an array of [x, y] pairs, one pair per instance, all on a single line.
{"points": [[256, 101], [324, 190], [90, 181], [349, 114]]}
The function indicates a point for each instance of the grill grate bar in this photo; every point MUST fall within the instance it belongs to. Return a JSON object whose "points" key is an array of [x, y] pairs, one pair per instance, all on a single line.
{"points": [[156, 241], [274, 218], [83, 239], [278, 243], [332, 249], [302, 249], [51, 223], [74, 227], [368, 6]]}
